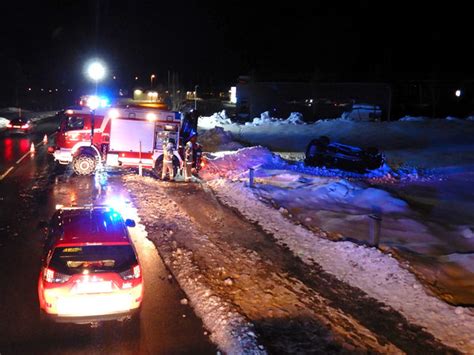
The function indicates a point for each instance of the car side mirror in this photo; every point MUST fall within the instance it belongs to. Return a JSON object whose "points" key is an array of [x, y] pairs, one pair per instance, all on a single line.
{"points": [[130, 222]]}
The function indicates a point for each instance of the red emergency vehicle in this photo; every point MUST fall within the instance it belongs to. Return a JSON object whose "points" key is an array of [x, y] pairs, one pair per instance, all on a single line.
{"points": [[115, 136]]}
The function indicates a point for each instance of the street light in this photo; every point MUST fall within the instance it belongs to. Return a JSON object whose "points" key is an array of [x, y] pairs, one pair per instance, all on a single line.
{"points": [[151, 80], [96, 72]]}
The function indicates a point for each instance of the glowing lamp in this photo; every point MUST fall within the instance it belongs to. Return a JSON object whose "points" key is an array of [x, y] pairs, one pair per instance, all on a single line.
{"points": [[114, 113], [96, 71], [150, 116]]}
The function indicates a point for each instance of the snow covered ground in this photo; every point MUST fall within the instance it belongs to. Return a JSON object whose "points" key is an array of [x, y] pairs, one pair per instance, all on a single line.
{"points": [[378, 274], [423, 194]]}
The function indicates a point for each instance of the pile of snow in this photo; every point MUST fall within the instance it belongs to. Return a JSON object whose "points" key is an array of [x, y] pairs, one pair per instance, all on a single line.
{"points": [[413, 119], [216, 139], [368, 269], [231, 164], [218, 119], [295, 118], [452, 118], [3, 122]]}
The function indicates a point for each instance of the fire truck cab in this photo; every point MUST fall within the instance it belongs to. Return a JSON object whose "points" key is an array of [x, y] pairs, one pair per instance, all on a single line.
{"points": [[115, 136]]}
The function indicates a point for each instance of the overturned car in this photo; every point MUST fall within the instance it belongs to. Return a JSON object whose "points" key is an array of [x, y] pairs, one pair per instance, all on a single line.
{"points": [[322, 152]]}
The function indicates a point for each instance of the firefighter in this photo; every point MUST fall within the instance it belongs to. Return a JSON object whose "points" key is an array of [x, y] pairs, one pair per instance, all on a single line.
{"points": [[169, 152], [189, 156]]}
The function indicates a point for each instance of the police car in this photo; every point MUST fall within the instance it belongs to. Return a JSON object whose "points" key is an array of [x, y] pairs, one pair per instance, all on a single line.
{"points": [[90, 270]]}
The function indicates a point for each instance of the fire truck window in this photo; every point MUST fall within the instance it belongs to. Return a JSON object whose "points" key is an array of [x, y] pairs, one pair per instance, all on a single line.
{"points": [[74, 123]]}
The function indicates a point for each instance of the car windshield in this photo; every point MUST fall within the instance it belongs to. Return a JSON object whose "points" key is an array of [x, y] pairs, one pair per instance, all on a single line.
{"points": [[97, 258]]}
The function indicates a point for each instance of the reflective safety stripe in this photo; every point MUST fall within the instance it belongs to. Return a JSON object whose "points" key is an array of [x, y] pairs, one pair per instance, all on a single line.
{"points": [[167, 161]]}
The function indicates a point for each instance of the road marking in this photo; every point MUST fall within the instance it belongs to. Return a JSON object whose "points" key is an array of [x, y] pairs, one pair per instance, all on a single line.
{"points": [[23, 157], [20, 160], [6, 173]]}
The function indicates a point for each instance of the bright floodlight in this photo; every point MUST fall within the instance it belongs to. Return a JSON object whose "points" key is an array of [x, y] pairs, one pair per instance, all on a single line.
{"points": [[458, 93], [93, 102], [96, 71]]}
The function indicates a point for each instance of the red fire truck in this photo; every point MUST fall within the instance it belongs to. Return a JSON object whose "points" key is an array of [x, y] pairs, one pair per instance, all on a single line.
{"points": [[115, 136]]}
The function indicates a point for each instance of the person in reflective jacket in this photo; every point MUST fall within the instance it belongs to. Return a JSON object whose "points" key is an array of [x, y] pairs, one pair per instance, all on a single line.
{"points": [[169, 152], [189, 156]]}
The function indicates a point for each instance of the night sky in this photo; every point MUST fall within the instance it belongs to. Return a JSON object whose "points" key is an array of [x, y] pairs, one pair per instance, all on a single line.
{"points": [[48, 42]]}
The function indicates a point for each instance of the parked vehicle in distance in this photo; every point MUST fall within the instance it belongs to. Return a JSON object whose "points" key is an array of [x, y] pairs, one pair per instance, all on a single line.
{"points": [[19, 125]]}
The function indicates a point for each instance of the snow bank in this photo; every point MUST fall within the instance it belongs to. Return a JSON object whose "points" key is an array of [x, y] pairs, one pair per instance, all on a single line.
{"points": [[232, 164], [407, 133], [229, 329], [295, 118], [3, 122], [413, 119], [216, 120], [379, 275], [216, 139]]}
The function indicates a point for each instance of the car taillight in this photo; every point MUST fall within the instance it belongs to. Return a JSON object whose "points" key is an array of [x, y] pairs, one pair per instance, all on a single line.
{"points": [[133, 273], [49, 275], [25, 126]]}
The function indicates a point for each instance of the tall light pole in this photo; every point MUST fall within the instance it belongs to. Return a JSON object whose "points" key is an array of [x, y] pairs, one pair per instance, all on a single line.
{"points": [[151, 80], [96, 72], [195, 96]]}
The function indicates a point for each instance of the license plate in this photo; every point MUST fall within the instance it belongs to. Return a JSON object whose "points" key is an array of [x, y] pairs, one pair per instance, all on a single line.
{"points": [[87, 305], [93, 287]]}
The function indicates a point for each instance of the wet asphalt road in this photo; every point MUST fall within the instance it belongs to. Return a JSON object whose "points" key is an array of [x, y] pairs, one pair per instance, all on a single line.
{"points": [[28, 194]]}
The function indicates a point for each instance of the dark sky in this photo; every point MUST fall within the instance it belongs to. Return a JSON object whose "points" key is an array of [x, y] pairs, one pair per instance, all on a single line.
{"points": [[48, 42]]}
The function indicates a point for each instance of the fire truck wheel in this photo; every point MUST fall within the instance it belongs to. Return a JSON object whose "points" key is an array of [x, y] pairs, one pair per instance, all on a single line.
{"points": [[84, 164], [158, 168]]}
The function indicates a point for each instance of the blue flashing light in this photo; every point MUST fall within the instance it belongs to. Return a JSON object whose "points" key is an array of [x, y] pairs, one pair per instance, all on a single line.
{"points": [[94, 101]]}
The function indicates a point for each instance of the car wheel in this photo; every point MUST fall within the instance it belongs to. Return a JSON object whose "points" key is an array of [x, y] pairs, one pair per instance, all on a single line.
{"points": [[84, 164]]}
